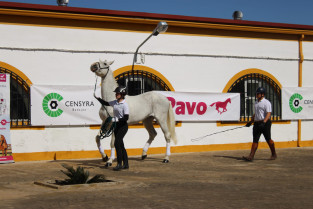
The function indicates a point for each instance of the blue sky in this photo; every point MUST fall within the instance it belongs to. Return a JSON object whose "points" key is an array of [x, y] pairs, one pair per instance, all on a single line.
{"points": [[279, 11]]}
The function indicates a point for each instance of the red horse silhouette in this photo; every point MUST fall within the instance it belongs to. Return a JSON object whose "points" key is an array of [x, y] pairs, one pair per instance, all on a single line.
{"points": [[222, 105]]}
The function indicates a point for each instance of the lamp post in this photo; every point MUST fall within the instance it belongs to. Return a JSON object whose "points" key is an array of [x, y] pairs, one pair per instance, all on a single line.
{"points": [[161, 28]]}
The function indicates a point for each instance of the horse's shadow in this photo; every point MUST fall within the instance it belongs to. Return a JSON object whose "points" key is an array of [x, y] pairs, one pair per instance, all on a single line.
{"points": [[84, 163], [98, 163], [147, 159]]}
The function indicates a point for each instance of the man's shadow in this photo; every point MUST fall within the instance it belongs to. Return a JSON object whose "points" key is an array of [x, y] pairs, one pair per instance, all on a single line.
{"points": [[231, 157], [236, 158]]}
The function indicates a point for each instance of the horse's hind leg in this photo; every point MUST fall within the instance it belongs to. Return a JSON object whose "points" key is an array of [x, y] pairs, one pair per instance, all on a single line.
{"points": [[148, 123], [163, 124]]}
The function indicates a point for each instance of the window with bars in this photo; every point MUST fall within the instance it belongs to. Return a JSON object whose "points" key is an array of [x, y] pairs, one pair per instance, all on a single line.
{"points": [[247, 86], [19, 100], [140, 81]]}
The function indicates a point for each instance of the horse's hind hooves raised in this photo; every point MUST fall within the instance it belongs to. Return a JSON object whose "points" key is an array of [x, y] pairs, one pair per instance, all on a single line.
{"points": [[143, 157], [108, 165], [165, 161]]}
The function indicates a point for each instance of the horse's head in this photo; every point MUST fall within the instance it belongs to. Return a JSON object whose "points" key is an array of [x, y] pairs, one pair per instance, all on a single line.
{"points": [[101, 68]]}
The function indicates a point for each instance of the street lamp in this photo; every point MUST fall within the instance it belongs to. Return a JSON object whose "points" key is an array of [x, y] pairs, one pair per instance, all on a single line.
{"points": [[161, 28]]}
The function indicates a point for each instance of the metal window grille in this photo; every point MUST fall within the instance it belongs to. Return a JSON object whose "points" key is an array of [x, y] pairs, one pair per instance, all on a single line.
{"points": [[19, 100], [140, 81], [247, 86]]}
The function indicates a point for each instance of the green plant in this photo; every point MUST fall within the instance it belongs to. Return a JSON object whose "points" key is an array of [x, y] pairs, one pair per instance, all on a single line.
{"points": [[79, 176]]}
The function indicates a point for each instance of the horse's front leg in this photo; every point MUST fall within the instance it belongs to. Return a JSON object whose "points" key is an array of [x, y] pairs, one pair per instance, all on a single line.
{"points": [[100, 148], [112, 157]]}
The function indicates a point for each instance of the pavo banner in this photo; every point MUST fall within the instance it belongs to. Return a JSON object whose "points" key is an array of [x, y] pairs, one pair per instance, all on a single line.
{"points": [[198, 106], [5, 137], [297, 103]]}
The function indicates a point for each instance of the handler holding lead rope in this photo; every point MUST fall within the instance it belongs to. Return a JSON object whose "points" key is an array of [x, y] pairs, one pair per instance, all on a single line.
{"points": [[262, 124], [121, 115]]}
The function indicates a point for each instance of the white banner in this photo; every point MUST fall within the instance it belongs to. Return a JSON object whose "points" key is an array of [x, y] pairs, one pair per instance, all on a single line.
{"points": [[64, 105], [5, 137], [75, 105], [192, 106], [297, 103]]}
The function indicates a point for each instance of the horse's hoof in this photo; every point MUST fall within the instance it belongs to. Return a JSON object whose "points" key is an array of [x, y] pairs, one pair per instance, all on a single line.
{"points": [[143, 157], [104, 159], [108, 165], [165, 161]]}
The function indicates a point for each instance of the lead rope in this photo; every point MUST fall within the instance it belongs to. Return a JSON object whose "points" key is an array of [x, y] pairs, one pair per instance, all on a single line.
{"points": [[94, 93], [107, 128]]}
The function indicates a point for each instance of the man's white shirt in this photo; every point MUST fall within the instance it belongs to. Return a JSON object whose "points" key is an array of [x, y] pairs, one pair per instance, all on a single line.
{"points": [[261, 109]]}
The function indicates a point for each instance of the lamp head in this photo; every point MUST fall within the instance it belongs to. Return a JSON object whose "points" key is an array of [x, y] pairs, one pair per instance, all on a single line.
{"points": [[161, 28]]}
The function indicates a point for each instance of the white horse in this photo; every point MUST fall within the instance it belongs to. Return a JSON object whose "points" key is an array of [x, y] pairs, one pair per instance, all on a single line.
{"points": [[144, 107]]}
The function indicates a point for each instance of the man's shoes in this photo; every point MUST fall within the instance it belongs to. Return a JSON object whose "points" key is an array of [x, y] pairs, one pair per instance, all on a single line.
{"points": [[248, 159], [118, 167]]}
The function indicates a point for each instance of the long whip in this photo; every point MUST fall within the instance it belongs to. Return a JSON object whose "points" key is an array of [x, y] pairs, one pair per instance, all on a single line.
{"points": [[202, 137]]}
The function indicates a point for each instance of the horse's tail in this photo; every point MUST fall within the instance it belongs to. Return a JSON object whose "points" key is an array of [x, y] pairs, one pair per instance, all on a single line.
{"points": [[212, 104], [171, 123]]}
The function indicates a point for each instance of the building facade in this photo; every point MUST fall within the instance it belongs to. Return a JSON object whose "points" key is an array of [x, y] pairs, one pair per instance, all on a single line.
{"points": [[51, 45]]}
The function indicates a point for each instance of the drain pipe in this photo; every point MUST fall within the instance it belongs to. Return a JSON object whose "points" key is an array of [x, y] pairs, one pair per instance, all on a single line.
{"points": [[300, 83]]}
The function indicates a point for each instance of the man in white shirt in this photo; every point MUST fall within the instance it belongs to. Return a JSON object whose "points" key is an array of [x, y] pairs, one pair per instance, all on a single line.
{"points": [[262, 124]]}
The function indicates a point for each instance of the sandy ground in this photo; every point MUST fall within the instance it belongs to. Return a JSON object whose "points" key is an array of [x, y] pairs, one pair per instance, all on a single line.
{"points": [[193, 180]]}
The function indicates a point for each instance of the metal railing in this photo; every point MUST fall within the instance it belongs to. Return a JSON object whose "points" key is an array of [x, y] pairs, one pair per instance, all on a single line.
{"points": [[139, 81], [247, 86], [19, 100]]}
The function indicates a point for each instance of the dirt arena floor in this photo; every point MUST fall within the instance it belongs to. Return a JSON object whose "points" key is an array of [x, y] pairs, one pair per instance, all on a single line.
{"points": [[218, 179]]}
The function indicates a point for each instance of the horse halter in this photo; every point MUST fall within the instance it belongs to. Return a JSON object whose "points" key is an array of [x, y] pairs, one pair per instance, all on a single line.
{"points": [[98, 66], [95, 67]]}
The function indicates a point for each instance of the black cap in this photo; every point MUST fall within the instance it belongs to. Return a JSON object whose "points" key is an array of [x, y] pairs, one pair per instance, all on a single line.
{"points": [[260, 90], [121, 90]]}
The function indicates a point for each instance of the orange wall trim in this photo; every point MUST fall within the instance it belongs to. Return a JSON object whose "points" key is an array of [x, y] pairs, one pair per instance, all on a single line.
{"points": [[62, 155], [145, 68], [16, 71]]}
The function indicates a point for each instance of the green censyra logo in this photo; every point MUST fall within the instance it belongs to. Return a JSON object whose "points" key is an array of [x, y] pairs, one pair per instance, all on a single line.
{"points": [[294, 103], [50, 104]]}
